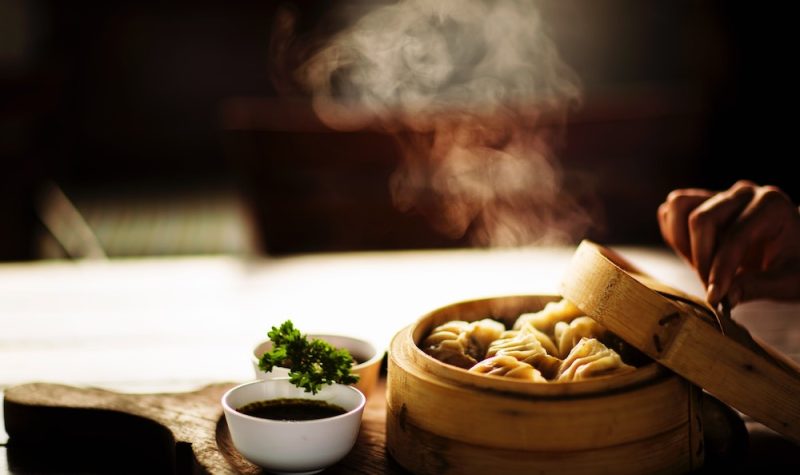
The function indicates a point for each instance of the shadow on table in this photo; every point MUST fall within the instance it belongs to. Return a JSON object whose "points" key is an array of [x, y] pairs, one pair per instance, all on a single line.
{"points": [[78, 447]]}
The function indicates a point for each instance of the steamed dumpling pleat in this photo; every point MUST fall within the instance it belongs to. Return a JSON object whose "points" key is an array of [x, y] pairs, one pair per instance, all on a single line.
{"points": [[461, 343], [525, 347], [590, 358], [546, 319], [567, 335], [478, 335], [444, 344], [510, 367], [545, 340]]}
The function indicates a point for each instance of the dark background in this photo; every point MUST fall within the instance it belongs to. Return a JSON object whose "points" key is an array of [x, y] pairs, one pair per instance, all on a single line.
{"points": [[101, 96]]}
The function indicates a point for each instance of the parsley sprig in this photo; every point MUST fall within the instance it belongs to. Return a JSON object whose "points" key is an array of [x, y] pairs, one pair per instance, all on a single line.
{"points": [[311, 363]]}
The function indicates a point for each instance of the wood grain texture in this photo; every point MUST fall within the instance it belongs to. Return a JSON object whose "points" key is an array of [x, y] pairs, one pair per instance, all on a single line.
{"points": [[38, 410], [728, 366], [423, 452], [190, 426]]}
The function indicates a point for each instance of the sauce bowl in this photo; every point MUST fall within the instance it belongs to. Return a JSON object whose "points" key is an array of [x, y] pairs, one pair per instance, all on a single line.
{"points": [[293, 447]]}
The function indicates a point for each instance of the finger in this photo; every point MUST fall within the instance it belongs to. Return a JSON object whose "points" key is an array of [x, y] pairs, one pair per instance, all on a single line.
{"points": [[711, 218], [758, 223], [673, 217], [743, 184]]}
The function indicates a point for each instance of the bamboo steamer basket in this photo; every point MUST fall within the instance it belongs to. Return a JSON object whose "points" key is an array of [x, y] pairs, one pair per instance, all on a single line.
{"points": [[443, 419]]}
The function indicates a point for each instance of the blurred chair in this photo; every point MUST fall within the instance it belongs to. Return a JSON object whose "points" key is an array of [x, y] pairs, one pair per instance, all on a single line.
{"points": [[66, 225], [102, 223]]}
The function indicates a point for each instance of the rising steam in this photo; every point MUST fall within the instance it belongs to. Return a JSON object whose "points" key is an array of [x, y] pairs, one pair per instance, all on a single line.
{"points": [[476, 94]]}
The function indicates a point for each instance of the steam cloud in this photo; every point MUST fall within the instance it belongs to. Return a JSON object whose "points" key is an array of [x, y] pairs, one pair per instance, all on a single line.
{"points": [[477, 96]]}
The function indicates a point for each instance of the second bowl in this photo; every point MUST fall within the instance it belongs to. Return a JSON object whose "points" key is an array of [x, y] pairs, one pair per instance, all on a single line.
{"points": [[366, 355]]}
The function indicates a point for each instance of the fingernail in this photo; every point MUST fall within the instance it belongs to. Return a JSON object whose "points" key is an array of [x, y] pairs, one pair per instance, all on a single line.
{"points": [[711, 295]]}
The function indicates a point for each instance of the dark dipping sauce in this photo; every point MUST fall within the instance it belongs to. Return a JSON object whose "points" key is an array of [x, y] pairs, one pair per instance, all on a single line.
{"points": [[287, 409]]}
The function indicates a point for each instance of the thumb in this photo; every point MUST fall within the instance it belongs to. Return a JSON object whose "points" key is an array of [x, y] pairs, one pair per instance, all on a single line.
{"points": [[772, 285]]}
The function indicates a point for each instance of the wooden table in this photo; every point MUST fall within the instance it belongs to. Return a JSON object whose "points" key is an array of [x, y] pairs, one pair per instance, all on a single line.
{"points": [[170, 325]]}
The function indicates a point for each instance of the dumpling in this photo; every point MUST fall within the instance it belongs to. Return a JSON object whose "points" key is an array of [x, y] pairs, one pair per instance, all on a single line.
{"points": [[510, 367], [444, 344], [479, 335], [590, 358], [567, 335], [545, 340], [461, 343], [525, 347], [553, 312], [556, 344]]}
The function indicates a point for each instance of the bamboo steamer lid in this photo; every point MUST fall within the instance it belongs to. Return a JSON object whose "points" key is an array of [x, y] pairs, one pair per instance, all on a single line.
{"points": [[683, 333]]}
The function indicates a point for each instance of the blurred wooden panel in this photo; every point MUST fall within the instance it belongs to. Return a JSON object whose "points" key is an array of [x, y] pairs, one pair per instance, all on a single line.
{"points": [[315, 189]]}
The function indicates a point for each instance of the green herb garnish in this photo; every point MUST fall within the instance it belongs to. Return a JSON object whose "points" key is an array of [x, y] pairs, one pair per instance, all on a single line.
{"points": [[311, 363]]}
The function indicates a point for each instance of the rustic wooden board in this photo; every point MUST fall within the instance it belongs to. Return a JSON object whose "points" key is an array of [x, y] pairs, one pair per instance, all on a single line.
{"points": [[189, 426], [40, 417]]}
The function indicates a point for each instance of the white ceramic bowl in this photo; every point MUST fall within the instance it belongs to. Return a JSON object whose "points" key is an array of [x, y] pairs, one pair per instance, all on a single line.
{"points": [[368, 369], [293, 447]]}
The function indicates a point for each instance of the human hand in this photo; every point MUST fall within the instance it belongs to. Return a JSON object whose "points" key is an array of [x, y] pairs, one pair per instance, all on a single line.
{"points": [[743, 242]]}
